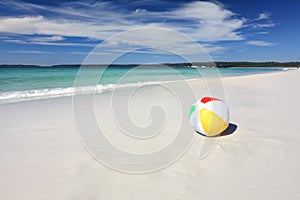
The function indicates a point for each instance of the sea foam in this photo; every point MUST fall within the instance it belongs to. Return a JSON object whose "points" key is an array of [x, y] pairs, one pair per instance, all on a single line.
{"points": [[29, 95]]}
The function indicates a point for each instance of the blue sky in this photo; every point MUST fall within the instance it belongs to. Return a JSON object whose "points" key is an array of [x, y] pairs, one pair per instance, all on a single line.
{"points": [[64, 32]]}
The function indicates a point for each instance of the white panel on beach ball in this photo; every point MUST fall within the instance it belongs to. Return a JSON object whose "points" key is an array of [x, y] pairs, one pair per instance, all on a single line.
{"points": [[209, 116]]}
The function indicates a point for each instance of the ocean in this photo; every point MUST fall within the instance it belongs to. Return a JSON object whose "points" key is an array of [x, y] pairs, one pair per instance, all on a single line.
{"points": [[24, 84]]}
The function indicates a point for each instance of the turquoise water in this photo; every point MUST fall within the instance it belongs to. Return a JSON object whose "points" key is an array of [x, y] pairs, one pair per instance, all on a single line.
{"points": [[21, 83]]}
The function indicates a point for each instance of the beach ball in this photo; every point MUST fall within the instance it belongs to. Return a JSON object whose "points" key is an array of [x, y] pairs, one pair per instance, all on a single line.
{"points": [[209, 116]]}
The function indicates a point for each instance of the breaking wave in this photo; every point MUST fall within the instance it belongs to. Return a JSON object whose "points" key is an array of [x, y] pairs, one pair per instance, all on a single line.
{"points": [[28, 95]]}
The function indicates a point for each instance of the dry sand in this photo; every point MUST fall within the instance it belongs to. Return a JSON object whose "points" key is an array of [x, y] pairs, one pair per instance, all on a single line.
{"points": [[41, 156]]}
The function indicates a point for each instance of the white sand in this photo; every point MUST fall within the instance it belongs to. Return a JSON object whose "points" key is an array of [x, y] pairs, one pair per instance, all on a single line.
{"points": [[41, 156]]}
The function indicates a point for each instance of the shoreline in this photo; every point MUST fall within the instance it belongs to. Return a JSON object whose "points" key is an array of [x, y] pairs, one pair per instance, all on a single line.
{"points": [[50, 93]]}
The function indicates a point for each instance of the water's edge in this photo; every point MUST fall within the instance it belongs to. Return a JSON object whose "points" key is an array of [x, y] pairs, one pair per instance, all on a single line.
{"points": [[152, 78]]}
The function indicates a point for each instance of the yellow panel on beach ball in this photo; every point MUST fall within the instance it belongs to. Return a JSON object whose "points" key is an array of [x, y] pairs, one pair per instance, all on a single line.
{"points": [[211, 122]]}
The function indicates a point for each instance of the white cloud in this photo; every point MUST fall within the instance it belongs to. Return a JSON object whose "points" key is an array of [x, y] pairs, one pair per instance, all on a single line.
{"points": [[47, 39], [260, 43], [263, 16], [42, 26], [264, 25], [205, 21], [202, 21], [262, 33], [28, 52], [44, 41], [262, 21]]}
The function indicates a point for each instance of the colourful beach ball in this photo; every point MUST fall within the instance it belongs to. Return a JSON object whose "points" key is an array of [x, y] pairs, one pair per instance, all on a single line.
{"points": [[209, 116]]}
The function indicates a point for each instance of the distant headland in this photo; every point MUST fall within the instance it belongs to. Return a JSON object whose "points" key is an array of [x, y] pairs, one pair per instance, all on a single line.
{"points": [[176, 65]]}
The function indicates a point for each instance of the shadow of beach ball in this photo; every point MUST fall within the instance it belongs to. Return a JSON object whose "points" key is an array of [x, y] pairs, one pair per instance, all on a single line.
{"points": [[209, 116]]}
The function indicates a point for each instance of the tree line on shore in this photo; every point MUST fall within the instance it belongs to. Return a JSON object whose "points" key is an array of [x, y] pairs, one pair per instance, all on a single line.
{"points": [[184, 65]]}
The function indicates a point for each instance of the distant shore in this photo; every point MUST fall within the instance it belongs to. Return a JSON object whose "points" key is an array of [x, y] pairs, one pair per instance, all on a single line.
{"points": [[179, 65]]}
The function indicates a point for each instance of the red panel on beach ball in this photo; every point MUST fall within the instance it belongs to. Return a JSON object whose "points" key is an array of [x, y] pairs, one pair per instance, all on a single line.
{"points": [[207, 99]]}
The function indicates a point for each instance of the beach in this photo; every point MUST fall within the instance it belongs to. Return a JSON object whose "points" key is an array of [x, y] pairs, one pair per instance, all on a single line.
{"points": [[42, 155]]}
